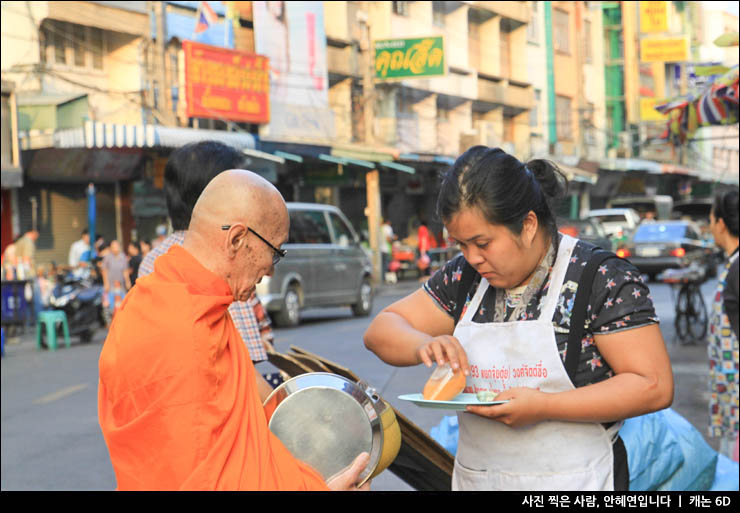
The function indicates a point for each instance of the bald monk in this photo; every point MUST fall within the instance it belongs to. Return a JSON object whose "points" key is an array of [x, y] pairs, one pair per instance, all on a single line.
{"points": [[177, 399]]}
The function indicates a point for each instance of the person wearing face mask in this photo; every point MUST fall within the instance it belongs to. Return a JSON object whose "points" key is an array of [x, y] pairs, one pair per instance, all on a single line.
{"points": [[723, 337], [558, 429], [178, 401]]}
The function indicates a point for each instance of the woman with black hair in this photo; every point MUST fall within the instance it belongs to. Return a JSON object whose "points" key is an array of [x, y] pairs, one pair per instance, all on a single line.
{"points": [[507, 329], [723, 337]]}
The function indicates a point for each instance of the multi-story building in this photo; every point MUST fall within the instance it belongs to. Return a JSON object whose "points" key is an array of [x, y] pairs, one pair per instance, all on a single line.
{"points": [[652, 50], [103, 87], [100, 101], [425, 122], [72, 62]]}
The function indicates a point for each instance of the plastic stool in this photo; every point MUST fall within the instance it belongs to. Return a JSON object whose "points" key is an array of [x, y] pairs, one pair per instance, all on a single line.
{"points": [[50, 318]]}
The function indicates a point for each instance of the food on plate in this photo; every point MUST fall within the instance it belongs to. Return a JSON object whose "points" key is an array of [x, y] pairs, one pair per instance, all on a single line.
{"points": [[444, 384], [485, 396]]}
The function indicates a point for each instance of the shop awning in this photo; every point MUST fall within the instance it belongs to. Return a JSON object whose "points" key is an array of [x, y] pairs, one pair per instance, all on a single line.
{"points": [[108, 135], [264, 155], [431, 158], [289, 156], [399, 167], [357, 152], [347, 161], [83, 165], [265, 164]]}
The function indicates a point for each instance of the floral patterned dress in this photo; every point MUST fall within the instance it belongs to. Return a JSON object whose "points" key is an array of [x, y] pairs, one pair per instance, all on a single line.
{"points": [[723, 365], [619, 300]]}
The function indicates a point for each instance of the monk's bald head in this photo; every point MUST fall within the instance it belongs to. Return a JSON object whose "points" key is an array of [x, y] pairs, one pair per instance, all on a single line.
{"points": [[239, 195], [234, 203]]}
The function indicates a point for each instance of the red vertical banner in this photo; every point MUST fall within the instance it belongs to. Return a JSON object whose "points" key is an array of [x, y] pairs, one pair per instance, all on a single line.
{"points": [[226, 84]]}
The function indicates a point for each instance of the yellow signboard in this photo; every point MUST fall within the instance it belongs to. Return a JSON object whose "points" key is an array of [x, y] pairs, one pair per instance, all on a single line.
{"points": [[668, 49], [653, 17], [648, 112]]}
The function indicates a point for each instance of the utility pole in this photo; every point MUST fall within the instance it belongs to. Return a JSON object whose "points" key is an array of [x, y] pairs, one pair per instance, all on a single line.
{"points": [[372, 178], [156, 12]]}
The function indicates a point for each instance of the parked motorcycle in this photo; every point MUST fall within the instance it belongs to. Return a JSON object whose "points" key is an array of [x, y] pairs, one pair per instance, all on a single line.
{"points": [[81, 299]]}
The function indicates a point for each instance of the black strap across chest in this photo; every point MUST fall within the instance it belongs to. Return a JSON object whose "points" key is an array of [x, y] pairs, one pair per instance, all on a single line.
{"points": [[578, 313]]}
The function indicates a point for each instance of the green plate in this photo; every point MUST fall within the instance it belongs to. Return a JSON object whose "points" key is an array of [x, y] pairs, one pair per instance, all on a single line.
{"points": [[458, 403]]}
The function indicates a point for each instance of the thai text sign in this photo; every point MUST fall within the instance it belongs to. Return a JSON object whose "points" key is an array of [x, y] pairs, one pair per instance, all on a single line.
{"points": [[226, 84], [653, 17], [409, 58], [669, 49]]}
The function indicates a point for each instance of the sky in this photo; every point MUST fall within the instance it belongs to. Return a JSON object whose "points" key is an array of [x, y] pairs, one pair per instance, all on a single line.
{"points": [[731, 7]]}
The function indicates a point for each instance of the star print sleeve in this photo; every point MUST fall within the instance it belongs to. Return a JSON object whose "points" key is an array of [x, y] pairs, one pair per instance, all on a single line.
{"points": [[620, 299], [443, 285]]}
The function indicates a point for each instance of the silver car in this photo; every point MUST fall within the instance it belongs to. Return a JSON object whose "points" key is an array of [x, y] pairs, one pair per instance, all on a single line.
{"points": [[324, 266]]}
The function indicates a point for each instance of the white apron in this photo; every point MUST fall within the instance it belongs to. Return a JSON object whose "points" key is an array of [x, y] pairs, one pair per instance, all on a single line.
{"points": [[547, 456]]}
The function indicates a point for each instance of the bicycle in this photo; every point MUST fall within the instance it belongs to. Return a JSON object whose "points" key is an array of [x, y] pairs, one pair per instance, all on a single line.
{"points": [[692, 320]]}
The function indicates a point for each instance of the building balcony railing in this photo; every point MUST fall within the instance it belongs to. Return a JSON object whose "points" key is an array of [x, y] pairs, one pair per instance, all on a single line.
{"points": [[502, 94], [517, 11]]}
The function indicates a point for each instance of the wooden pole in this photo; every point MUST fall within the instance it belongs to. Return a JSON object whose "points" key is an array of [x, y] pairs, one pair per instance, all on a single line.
{"points": [[372, 183]]}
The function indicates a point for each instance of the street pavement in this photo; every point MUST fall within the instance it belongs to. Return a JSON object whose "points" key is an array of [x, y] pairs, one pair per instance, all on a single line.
{"points": [[51, 440]]}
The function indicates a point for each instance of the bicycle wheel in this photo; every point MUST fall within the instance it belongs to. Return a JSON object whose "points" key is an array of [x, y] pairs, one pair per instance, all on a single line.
{"points": [[697, 314], [681, 321]]}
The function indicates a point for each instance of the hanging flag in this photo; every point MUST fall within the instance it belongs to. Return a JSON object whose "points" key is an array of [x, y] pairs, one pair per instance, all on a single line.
{"points": [[715, 104], [206, 17]]}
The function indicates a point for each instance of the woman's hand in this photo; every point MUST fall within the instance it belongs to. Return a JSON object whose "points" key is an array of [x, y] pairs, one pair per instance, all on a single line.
{"points": [[526, 406], [444, 349]]}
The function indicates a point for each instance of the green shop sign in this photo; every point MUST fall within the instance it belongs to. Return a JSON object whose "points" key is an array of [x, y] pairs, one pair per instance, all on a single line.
{"points": [[409, 58]]}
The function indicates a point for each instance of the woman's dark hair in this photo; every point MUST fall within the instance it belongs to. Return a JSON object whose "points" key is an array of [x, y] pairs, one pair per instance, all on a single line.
{"points": [[726, 208], [188, 171], [504, 189]]}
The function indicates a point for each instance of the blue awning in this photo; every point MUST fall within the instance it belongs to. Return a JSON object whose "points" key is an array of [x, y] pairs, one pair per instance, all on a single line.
{"points": [[289, 156], [346, 161], [108, 135], [399, 167], [415, 157]]}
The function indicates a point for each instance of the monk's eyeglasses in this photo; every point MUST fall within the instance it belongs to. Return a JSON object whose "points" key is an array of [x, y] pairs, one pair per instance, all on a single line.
{"points": [[279, 253]]}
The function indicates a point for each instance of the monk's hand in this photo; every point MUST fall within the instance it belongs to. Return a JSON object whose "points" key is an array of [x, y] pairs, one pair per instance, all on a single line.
{"points": [[347, 480], [526, 406], [444, 349]]}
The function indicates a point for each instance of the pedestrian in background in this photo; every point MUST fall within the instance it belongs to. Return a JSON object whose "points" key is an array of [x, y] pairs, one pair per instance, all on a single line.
{"points": [[146, 247], [723, 332], [386, 247], [115, 279], [134, 260], [78, 249], [424, 238], [25, 250], [161, 232], [188, 171]]}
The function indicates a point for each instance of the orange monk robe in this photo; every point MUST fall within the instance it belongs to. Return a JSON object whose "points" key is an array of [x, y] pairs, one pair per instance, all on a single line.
{"points": [[177, 400]]}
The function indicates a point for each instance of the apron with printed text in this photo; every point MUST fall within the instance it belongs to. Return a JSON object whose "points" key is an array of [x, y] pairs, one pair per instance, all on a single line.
{"points": [[548, 455]]}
